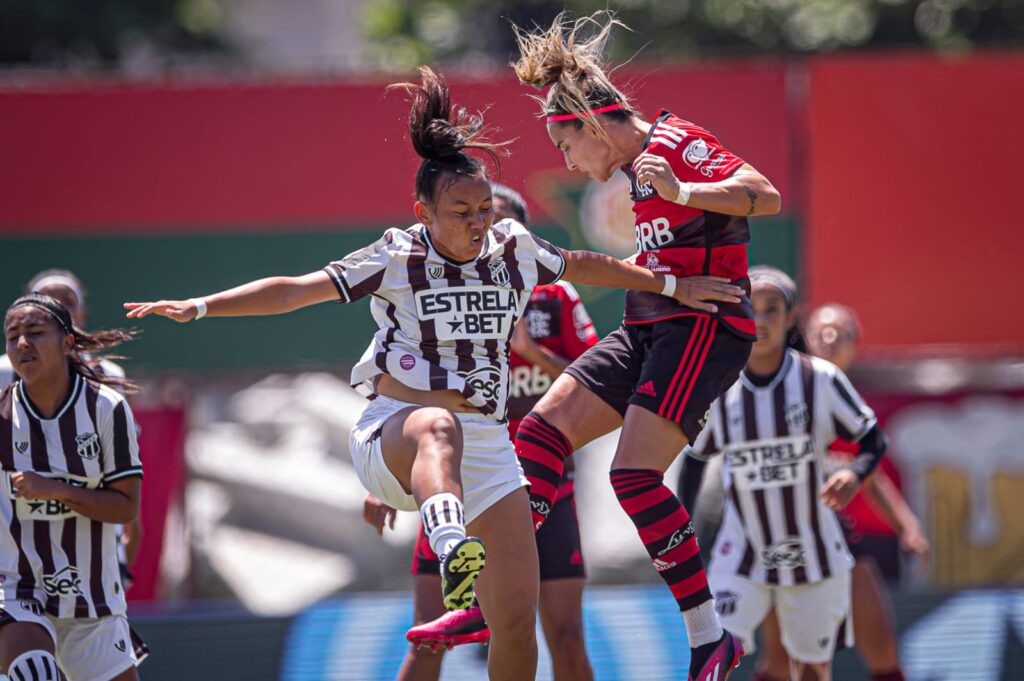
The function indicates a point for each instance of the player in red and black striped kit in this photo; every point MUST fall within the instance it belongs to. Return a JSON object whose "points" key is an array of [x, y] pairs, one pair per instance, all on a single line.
{"points": [[658, 374], [554, 330]]}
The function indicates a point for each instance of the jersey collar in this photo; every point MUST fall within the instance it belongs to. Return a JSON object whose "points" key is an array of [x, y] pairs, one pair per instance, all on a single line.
{"points": [[76, 389]]}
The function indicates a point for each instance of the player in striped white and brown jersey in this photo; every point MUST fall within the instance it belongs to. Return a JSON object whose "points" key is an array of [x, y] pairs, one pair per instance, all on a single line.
{"points": [[780, 543], [446, 295], [64, 286], [72, 471]]}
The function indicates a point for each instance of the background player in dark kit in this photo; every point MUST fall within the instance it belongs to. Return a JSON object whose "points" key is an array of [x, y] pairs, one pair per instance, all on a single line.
{"points": [[656, 375]]}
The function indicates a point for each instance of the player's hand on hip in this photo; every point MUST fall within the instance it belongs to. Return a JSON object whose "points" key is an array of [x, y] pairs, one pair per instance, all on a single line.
{"points": [[840, 489], [177, 310], [377, 514], [657, 171], [702, 292]]}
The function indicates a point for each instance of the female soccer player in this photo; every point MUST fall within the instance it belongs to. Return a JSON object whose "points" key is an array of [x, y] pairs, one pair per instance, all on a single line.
{"points": [[69, 453], [554, 330], [780, 544], [833, 332], [656, 375], [447, 293], [65, 287]]}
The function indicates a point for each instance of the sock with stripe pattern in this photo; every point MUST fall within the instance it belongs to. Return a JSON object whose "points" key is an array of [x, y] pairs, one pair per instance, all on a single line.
{"points": [[665, 529], [542, 450], [443, 522]]}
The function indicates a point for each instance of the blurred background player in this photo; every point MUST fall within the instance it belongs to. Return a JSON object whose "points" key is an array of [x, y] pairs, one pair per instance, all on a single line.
{"points": [[446, 293], [833, 332], [554, 330], [64, 286], [657, 374], [780, 544], [71, 461]]}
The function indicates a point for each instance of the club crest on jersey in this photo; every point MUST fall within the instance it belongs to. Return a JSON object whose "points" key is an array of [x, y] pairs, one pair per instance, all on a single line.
{"points": [[435, 271], [88, 445], [797, 415], [22, 447], [698, 155], [499, 272]]}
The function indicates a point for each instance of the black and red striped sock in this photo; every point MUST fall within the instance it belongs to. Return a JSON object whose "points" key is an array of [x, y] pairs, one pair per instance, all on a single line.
{"points": [[667, 533], [894, 675], [542, 450]]}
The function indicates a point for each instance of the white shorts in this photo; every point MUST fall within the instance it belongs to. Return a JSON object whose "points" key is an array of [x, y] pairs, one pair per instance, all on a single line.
{"points": [[87, 649], [490, 469], [810, 615]]}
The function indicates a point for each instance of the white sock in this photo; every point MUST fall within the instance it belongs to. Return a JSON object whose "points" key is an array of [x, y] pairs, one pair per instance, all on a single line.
{"points": [[702, 625], [443, 522]]}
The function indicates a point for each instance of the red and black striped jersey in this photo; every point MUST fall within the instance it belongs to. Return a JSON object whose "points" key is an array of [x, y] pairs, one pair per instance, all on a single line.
{"points": [[49, 553], [556, 319], [682, 240]]}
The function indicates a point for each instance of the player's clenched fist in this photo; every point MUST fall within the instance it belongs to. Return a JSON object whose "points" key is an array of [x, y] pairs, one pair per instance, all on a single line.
{"points": [[657, 171]]}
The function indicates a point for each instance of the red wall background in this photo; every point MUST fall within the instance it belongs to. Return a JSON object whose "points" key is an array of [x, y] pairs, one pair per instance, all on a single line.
{"points": [[914, 197], [102, 156]]}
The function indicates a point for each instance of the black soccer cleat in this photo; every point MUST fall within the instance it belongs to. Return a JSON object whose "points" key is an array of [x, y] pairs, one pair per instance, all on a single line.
{"points": [[459, 571]]}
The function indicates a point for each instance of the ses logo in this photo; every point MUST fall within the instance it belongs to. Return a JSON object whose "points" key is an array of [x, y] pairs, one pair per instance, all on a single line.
{"points": [[486, 380], [785, 553], [469, 313], [64, 582]]}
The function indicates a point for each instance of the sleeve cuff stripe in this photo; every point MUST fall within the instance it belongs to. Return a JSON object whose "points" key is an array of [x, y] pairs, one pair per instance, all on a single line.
{"points": [[339, 283], [127, 473]]}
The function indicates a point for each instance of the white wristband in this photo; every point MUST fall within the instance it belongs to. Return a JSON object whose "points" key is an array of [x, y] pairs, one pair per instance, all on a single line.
{"points": [[670, 285], [683, 197], [200, 308]]}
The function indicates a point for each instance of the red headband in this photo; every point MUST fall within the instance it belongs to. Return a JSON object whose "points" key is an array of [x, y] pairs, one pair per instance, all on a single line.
{"points": [[603, 109]]}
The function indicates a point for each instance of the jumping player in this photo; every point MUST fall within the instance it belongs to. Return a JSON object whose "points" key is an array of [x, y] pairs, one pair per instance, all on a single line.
{"points": [[554, 329], [658, 373], [833, 332], [71, 462], [65, 287], [780, 544], [446, 295]]}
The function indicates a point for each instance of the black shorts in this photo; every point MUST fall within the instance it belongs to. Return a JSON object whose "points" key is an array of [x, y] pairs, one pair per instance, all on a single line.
{"points": [[675, 368], [558, 543]]}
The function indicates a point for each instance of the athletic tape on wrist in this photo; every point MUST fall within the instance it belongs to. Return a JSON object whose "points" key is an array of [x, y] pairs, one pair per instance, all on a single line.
{"points": [[670, 285], [683, 197], [200, 308]]}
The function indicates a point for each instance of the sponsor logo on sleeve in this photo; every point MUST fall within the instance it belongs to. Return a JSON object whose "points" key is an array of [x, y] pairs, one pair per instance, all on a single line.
{"points": [[699, 156]]}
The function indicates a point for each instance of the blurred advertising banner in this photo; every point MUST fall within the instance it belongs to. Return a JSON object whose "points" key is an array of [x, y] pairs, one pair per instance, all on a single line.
{"points": [[162, 447], [961, 463]]}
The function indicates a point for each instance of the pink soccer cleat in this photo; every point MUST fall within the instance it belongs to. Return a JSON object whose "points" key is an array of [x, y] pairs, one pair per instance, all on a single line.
{"points": [[454, 628], [718, 665]]}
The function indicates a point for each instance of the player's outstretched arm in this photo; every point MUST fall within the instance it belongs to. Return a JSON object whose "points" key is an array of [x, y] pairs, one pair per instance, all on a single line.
{"points": [[745, 192], [273, 295], [699, 292]]}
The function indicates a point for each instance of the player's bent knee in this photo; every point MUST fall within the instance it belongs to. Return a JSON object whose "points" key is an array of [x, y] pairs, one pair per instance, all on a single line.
{"points": [[34, 665]]}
